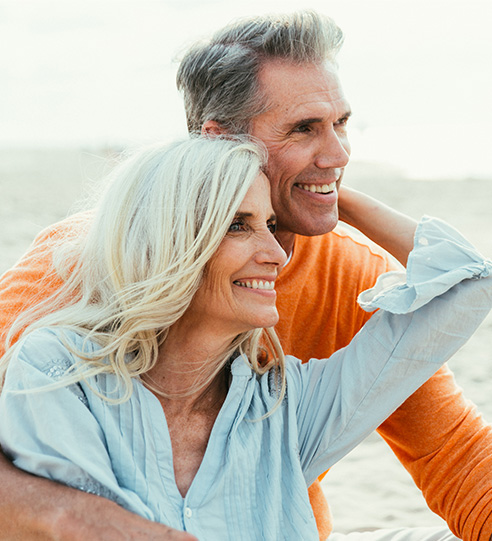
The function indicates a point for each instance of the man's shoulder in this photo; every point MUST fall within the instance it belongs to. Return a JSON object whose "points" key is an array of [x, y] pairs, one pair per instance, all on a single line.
{"points": [[36, 263], [73, 224], [38, 255]]}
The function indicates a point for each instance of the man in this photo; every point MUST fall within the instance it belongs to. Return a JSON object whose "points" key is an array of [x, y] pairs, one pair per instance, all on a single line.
{"points": [[277, 80]]}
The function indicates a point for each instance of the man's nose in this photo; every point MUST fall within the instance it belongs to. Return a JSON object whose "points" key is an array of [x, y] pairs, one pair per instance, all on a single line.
{"points": [[333, 150]]}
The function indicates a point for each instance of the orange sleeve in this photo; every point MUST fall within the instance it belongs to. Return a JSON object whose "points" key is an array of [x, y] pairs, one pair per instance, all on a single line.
{"points": [[33, 278], [446, 446]]}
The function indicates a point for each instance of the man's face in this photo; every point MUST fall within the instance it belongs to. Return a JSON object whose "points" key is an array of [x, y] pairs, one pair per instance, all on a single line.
{"points": [[305, 132]]}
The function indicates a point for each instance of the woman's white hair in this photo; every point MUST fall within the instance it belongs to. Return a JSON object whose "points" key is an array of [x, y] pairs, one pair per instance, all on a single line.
{"points": [[162, 216]]}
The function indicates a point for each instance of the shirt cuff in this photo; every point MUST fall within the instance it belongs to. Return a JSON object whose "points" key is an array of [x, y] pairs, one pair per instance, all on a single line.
{"points": [[441, 258]]}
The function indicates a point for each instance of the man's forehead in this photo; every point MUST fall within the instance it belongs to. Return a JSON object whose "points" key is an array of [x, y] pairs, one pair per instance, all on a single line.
{"points": [[277, 71], [309, 91]]}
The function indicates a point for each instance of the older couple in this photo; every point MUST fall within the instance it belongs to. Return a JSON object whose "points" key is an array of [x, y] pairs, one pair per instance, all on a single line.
{"points": [[276, 79]]}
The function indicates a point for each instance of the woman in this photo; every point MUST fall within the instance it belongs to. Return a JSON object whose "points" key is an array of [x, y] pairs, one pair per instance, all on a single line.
{"points": [[154, 377]]}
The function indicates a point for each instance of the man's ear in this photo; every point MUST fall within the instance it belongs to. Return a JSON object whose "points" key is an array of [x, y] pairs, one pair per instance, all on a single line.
{"points": [[213, 128]]}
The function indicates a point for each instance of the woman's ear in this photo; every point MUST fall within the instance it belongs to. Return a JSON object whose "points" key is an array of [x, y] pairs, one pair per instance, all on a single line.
{"points": [[212, 128]]}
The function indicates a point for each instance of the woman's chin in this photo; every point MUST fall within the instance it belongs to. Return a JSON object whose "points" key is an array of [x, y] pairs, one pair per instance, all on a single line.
{"points": [[268, 320]]}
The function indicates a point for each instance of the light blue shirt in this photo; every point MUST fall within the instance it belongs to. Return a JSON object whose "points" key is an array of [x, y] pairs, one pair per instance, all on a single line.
{"points": [[252, 483]]}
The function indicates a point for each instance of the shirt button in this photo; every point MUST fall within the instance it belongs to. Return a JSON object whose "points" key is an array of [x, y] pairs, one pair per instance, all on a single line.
{"points": [[188, 512]]}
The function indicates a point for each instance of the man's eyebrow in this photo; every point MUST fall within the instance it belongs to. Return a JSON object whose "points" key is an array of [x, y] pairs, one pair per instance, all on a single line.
{"points": [[313, 120], [306, 121]]}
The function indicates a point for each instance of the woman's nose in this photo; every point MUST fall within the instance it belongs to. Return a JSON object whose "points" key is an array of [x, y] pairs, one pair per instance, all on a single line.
{"points": [[270, 251]]}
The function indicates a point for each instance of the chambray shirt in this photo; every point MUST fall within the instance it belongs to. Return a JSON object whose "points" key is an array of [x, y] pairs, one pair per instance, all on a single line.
{"points": [[252, 483]]}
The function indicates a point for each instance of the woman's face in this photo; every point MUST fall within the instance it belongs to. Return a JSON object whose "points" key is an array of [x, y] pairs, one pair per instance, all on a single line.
{"points": [[238, 292]]}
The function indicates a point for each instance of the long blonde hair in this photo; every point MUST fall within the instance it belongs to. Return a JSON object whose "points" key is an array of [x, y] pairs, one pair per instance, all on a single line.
{"points": [[162, 216]]}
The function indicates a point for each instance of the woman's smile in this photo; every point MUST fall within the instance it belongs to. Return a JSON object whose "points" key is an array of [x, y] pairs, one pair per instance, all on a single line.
{"points": [[257, 284]]}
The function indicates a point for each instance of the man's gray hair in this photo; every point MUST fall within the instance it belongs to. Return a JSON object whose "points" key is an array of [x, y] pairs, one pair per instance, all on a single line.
{"points": [[219, 77]]}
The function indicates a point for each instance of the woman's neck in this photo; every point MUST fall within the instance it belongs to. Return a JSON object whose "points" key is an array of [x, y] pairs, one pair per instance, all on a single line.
{"points": [[188, 357]]}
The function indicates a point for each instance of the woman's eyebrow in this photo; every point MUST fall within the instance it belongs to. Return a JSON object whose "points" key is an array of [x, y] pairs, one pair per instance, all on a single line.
{"points": [[250, 214]]}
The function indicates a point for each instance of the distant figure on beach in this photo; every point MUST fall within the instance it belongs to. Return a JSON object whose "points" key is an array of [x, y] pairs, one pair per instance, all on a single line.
{"points": [[276, 79], [157, 366]]}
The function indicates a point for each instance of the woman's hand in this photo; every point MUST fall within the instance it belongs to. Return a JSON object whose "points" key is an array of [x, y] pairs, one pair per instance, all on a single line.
{"points": [[392, 230]]}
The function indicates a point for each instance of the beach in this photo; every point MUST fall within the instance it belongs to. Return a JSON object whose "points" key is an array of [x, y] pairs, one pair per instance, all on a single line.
{"points": [[368, 489]]}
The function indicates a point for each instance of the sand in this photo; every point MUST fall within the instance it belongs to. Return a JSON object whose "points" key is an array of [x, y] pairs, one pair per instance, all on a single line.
{"points": [[368, 489]]}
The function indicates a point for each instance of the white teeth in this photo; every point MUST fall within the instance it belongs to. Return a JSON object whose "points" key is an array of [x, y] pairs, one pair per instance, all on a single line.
{"points": [[257, 284], [315, 188]]}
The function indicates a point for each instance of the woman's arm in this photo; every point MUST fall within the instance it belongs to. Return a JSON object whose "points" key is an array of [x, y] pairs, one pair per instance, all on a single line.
{"points": [[438, 435], [385, 226], [423, 321]]}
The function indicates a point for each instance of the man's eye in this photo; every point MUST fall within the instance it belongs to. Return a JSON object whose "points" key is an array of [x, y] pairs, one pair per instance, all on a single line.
{"points": [[342, 121], [303, 128], [272, 227]]}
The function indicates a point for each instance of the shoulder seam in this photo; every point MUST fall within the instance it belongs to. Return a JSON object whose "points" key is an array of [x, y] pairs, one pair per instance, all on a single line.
{"points": [[362, 241]]}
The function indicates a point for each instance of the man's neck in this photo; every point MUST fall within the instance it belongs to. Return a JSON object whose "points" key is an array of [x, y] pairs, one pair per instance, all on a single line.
{"points": [[286, 239]]}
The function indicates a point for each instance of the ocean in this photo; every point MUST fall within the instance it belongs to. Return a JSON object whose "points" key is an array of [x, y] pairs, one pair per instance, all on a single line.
{"points": [[101, 73]]}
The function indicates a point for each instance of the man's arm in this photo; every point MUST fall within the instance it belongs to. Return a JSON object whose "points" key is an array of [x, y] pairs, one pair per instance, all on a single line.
{"points": [[437, 434], [446, 446], [32, 508], [385, 226], [37, 509]]}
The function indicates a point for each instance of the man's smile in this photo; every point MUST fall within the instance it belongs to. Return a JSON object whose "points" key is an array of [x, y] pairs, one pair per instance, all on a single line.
{"points": [[317, 188]]}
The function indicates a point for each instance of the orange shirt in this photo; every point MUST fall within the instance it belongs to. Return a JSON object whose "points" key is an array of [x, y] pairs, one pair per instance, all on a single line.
{"points": [[33, 279], [437, 435]]}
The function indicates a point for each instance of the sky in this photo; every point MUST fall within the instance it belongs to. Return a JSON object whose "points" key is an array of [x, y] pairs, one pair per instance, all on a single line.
{"points": [[417, 73]]}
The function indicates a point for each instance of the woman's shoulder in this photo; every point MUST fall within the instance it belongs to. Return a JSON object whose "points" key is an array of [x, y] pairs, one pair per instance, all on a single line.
{"points": [[50, 349]]}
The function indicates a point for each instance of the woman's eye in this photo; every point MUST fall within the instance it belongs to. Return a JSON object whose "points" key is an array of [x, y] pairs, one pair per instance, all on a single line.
{"points": [[272, 227], [236, 226]]}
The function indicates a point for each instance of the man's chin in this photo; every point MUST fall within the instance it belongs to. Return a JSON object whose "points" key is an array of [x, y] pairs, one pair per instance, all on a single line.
{"points": [[318, 228]]}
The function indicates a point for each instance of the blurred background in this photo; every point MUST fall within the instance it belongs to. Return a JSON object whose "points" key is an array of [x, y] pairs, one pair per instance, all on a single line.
{"points": [[101, 72], [79, 81]]}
